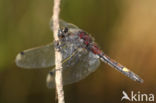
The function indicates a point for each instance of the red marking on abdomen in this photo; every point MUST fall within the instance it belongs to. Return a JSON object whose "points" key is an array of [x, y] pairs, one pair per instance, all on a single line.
{"points": [[96, 50], [89, 42], [85, 37]]}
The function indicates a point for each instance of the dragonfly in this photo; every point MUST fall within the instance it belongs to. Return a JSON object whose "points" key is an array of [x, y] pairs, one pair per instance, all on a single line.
{"points": [[81, 56]]}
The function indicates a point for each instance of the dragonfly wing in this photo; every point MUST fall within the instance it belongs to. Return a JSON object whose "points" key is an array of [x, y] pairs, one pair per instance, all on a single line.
{"points": [[63, 24], [39, 57], [71, 27], [66, 24], [83, 65]]}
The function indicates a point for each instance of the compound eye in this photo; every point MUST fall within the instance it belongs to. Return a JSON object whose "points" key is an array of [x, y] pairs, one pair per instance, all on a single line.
{"points": [[65, 29], [61, 33]]}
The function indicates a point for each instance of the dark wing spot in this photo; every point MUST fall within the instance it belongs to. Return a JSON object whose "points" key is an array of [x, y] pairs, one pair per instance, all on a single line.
{"points": [[65, 30], [51, 73]]}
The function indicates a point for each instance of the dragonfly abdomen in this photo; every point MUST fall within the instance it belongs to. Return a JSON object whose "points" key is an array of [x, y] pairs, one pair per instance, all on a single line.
{"points": [[89, 44], [121, 68]]}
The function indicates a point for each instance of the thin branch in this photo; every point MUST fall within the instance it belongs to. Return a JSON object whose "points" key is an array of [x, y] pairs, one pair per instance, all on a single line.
{"points": [[58, 55]]}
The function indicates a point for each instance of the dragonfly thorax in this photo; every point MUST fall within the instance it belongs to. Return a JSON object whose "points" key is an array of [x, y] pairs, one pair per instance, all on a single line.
{"points": [[69, 42]]}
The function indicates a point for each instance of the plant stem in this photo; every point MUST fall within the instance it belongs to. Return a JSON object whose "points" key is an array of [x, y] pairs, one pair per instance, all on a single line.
{"points": [[58, 55]]}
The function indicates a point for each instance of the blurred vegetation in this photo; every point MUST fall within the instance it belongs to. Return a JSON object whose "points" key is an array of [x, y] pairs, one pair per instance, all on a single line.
{"points": [[125, 30]]}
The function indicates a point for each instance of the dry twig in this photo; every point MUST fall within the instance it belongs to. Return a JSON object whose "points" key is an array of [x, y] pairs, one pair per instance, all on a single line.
{"points": [[58, 55]]}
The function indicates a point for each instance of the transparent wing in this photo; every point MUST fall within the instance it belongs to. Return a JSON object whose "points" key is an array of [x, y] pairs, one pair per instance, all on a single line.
{"points": [[70, 26], [66, 24], [39, 57], [84, 64]]}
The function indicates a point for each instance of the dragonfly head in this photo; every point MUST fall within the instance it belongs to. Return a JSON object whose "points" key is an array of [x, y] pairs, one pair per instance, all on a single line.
{"points": [[62, 32]]}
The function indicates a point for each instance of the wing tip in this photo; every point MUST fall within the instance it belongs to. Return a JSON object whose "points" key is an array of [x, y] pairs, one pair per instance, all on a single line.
{"points": [[18, 59], [50, 80]]}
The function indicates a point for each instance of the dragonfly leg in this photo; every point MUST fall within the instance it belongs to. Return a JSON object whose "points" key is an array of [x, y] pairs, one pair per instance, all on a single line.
{"points": [[68, 60], [58, 45], [65, 63], [52, 72]]}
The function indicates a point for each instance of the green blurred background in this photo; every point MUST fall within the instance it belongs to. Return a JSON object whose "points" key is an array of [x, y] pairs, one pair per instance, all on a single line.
{"points": [[124, 29]]}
